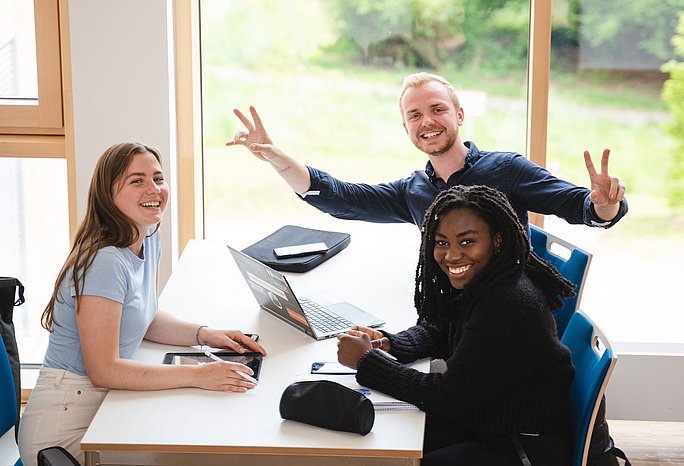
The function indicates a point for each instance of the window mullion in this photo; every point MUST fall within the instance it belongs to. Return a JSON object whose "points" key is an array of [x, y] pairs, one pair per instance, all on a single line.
{"points": [[538, 72]]}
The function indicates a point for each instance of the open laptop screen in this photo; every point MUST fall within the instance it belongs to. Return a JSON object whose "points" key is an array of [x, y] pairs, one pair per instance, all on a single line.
{"points": [[272, 291]]}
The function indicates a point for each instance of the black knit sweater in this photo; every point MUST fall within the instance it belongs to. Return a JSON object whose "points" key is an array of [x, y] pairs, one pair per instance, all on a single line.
{"points": [[506, 369]]}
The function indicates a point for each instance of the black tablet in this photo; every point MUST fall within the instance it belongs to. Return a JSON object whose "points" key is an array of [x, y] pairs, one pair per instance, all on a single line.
{"points": [[252, 360]]}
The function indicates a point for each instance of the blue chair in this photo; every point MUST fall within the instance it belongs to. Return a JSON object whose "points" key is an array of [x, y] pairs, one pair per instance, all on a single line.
{"points": [[594, 360], [574, 268], [9, 453]]}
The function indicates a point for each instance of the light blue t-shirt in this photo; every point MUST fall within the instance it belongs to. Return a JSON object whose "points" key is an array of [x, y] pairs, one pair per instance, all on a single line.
{"points": [[116, 274]]}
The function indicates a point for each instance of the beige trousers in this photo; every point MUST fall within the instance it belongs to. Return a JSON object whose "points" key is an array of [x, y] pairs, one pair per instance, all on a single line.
{"points": [[58, 413]]}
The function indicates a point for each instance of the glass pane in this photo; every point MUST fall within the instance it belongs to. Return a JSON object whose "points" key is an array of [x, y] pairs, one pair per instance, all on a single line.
{"points": [[18, 75], [326, 75], [34, 240], [606, 92]]}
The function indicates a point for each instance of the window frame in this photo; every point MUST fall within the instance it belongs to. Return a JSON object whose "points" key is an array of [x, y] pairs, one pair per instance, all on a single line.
{"points": [[186, 18], [46, 116], [45, 130], [538, 77]]}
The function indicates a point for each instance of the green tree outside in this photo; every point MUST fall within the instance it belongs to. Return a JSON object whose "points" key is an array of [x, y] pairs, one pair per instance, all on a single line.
{"points": [[673, 94]]}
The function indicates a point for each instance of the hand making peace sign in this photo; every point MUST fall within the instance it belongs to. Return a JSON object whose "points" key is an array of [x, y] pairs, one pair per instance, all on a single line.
{"points": [[259, 143], [606, 191], [256, 139]]}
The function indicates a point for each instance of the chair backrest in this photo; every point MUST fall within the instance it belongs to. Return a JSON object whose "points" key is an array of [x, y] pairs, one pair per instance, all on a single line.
{"points": [[594, 360], [9, 453], [575, 269]]}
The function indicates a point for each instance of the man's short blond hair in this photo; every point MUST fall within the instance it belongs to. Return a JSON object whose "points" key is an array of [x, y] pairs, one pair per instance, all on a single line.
{"points": [[418, 79]]}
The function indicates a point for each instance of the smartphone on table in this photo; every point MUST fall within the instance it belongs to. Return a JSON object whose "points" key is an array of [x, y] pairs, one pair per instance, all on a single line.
{"points": [[331, 368]]}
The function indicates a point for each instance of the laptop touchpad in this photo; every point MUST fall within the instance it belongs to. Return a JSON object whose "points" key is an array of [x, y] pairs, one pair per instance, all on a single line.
{"points": [[355, 315]]}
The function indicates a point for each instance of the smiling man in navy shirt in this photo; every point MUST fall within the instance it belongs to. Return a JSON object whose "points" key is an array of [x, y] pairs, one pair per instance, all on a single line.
{"points": [[432, 116]]}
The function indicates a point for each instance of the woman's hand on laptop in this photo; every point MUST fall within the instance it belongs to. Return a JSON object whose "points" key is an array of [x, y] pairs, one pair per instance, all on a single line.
{"points": [[233, 340]]}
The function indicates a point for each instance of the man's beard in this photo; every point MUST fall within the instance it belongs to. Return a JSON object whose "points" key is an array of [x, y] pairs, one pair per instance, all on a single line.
{"points": [[448, 144]]}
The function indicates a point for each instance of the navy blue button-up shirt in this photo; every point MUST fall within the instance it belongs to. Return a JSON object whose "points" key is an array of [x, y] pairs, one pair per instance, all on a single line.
{"points": [[528, 187]]}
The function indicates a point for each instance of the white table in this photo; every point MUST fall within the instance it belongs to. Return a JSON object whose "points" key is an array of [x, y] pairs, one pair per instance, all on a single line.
{"points": [[174, 426]]}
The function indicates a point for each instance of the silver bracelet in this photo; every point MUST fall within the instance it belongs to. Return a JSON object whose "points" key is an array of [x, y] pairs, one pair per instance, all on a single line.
{"points": [[197, 334]]}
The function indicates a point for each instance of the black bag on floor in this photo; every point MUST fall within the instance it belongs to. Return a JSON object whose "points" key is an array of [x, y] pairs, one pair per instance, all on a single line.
{"points": [[602, 450], [56, 456], [11, 294]]}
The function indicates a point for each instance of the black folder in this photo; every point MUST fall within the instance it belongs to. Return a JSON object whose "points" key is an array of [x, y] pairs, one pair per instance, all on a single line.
{"points": [[292, 235]]}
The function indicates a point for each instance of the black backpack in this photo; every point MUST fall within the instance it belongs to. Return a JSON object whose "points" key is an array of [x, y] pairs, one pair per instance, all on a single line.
{"points": [[602, 450], [11, 294]]}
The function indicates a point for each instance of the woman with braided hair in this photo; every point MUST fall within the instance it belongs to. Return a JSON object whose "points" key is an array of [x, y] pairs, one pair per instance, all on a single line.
{"points": [[485, 303]]}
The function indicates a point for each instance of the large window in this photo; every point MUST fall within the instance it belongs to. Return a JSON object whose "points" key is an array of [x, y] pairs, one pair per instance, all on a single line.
{"points": [[325, 76], [19, 77], [34, 238], [30, 101], [606, 91]]}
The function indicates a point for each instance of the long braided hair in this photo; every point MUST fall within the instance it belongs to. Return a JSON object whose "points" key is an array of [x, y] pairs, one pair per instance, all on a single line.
{"points": [[433, 292]]}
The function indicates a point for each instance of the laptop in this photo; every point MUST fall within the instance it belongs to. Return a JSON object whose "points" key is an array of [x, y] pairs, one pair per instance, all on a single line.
{"points": [[323, 318]]}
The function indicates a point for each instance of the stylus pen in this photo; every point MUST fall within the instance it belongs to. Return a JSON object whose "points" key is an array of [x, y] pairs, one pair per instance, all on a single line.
{"points": [[242, 374]]}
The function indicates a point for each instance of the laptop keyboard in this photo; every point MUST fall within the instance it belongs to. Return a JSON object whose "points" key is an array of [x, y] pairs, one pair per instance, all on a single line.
{"points": [[322, 320]]}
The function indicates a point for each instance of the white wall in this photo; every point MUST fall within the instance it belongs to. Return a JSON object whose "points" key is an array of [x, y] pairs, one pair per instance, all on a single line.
{"points": [[123, 90], [648, 382]]}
